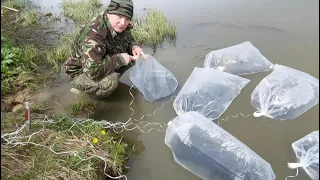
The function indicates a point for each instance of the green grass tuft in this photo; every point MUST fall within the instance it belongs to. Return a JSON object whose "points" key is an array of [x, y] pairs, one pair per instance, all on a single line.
{"points": [[81, 109], [153, 28], [29, 17], [81, 11], [61, 52], [30, 55]]}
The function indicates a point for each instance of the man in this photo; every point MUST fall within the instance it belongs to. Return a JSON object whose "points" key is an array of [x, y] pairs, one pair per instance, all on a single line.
{"points": [[103, 51]]}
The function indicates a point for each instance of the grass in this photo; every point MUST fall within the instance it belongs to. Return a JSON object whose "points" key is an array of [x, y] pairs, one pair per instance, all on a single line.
{"points": [[29, 17], [62, 51], [10, 60], [36, 162], [19, 67], [8, 15], [10, 57], [16, 4], [20, 64], [81, 11], [81, 109], [31, 56], [153, 28]]}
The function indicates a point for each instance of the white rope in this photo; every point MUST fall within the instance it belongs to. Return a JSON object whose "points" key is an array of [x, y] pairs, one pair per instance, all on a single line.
{"points": [[293, 176], [233, 116]]}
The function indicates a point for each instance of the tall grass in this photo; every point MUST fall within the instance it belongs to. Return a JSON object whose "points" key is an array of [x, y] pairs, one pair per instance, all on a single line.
{"points": [[30, 54], [29, 17], [61, 51], [81, 11], [153, 28]]}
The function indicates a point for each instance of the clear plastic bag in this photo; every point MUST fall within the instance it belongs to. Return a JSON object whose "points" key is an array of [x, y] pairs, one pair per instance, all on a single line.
{"points": [[307, 153], [210, 152], [239, 59], [209, 92], [152, 79], [284, 94]]}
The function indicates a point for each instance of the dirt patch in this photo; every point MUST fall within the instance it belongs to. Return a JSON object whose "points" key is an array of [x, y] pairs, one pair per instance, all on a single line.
{"points": [[13, 102]]}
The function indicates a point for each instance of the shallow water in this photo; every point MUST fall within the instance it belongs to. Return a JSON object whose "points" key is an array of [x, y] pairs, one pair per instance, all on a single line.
{"points": [[286, 32]]}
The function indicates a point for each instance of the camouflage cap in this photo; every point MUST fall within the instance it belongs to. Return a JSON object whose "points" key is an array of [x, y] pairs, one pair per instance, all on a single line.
{"points": [[122, 7]]}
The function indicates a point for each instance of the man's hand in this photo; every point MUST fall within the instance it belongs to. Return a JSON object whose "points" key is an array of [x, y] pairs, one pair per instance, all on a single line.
{"points": [[137, 52], [127, 58]]}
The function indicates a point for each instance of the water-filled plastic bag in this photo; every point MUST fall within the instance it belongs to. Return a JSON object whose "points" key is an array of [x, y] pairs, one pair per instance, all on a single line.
{"points": [[208, 91], [238, 59], [285, 93], [205, 149], [307, 153], [152, 79]]}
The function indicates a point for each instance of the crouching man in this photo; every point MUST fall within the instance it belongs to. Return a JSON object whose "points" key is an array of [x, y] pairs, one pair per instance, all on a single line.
{"points": [[103, 50]]}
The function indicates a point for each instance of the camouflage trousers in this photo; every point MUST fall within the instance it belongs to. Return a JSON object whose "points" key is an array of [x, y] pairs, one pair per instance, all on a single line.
{"points": [[98, 89]]}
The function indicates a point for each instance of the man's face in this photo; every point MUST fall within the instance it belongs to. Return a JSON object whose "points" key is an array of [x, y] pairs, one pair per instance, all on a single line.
{"points": [[118, 22]]}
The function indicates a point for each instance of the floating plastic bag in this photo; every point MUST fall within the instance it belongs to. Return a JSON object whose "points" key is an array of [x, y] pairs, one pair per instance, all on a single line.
{"points": [[239, 59], [307, 153], [210, 152], [209, 92], [152, 79], [286, 93]]}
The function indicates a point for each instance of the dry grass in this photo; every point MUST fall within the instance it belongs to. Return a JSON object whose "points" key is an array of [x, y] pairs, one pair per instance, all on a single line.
{"points": [[30, 161]]}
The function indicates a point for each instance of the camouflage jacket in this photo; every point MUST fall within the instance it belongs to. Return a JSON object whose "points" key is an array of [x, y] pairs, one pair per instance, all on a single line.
{"points": [[96, 50]]}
